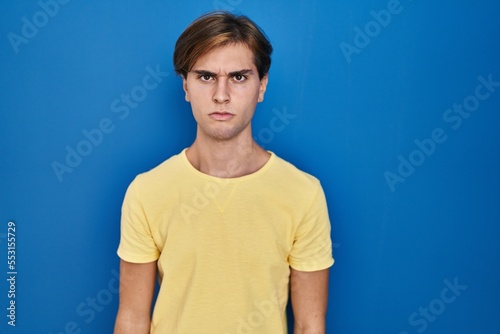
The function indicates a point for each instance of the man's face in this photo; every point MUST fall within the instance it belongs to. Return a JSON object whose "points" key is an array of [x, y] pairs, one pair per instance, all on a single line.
{"points": [[223, 88]]}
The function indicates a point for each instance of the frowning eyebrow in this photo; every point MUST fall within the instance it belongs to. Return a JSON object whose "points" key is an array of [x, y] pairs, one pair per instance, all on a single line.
{"points": [[231, 74]]}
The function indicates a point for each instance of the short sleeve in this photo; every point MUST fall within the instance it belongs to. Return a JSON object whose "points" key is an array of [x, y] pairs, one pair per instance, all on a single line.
{"points": [[312, 247], [136, 241]]}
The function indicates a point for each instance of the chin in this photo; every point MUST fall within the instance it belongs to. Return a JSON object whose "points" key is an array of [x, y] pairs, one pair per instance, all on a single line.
{"points": [[223, 132]]}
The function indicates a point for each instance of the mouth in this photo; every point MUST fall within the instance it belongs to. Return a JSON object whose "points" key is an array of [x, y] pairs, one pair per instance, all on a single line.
{"points": [[221, 115]]}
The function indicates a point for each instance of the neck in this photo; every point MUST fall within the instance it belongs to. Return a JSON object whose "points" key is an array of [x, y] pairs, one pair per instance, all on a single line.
{"points": [[227, 159]]}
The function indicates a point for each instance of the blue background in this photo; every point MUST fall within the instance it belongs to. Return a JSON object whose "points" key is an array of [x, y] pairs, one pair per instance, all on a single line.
{"points": [[355, 116]]}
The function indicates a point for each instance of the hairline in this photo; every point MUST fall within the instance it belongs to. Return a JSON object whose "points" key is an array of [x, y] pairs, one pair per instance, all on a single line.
{"points": [[221, 46]]}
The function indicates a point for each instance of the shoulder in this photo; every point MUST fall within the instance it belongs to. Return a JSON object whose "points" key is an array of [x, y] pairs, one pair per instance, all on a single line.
{"points": [[291, 171], [158, 177], [290, 176]]}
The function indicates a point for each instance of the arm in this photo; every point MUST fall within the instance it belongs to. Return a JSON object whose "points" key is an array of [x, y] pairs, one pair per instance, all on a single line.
{"points": [[137, 284], [309, 294]]}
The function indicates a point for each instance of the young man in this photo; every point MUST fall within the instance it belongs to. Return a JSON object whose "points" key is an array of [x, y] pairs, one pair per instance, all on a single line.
{"points": [[230, 229]]}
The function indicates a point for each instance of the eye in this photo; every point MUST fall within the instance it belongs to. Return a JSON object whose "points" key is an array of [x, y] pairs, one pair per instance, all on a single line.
{"points": [[205, 77], [239, 78]]}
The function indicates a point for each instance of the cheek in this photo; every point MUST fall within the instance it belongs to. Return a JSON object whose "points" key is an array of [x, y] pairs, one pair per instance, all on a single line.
{"points": [[247, 93], [196, 105], [199, 96]]}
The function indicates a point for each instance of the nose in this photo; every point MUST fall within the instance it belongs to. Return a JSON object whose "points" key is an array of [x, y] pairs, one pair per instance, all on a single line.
{"points": [[221, 94]]}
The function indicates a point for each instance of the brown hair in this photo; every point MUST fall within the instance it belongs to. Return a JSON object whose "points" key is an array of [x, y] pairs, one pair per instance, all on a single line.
{"points": [[218, 29]]}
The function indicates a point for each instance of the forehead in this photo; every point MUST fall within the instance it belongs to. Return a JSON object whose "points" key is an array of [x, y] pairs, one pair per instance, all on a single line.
{"points": [[226, 58]]}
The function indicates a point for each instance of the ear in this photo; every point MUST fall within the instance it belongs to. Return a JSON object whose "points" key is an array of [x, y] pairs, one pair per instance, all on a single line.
{"points": [[262, 88], [184, 86]]}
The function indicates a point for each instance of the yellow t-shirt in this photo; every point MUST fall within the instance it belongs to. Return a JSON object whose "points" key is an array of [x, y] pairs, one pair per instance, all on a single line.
{"points": [[224, 246]]}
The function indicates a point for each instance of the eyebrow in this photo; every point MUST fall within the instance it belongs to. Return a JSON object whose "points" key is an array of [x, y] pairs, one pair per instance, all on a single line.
{"points": [[232, 74]]}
